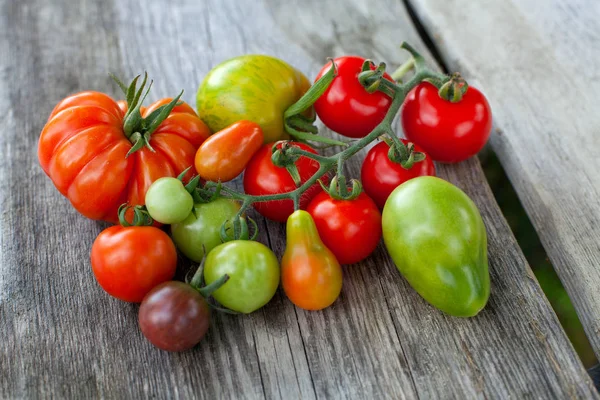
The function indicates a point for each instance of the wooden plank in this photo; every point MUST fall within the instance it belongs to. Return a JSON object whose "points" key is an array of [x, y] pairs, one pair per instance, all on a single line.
{"points": [[536, 63], [464, 364], [65, 338]]}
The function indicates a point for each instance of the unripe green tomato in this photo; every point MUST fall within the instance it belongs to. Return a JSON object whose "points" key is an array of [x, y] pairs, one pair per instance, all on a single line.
{"points": [[251, 87], [253, 272], [436, 237], [203, 227], [167, 201]]}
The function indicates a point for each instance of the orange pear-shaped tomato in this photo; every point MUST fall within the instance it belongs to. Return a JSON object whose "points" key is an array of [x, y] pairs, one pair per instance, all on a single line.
{"points": [[311, 275], [224, 155]]}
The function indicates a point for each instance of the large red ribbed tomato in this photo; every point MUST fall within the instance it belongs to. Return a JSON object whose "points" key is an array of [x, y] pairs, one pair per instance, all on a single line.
{"points": [[83, 149]]}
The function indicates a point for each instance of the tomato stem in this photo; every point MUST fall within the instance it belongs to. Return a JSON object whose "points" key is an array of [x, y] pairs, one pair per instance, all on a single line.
{"points": [[302, 128], [209, 289], [403, 70]]}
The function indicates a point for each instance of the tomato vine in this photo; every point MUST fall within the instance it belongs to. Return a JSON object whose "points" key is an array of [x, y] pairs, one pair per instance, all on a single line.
{"points": [[302, 128]]}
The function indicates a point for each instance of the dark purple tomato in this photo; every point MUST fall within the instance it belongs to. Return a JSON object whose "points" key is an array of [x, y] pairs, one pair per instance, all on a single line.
{"points": [[174, 316]]}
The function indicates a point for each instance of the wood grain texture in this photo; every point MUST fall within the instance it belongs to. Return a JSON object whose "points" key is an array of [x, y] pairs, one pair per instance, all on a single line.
{"points": [[64, 338], [537, 62]]}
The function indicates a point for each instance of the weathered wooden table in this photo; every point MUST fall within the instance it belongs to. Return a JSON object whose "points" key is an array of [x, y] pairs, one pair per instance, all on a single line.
{"points": [[62, 337]]}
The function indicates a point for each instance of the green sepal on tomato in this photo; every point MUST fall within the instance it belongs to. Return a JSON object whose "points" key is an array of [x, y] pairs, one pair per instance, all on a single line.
{"points": [[351, 229], [254, 87], [447, 131], [436, 237], [253, 270], [201, 230], [380, 175], [346, 107], [263, 177]]}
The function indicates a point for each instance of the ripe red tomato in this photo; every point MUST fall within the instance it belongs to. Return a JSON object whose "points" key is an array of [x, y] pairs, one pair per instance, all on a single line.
{"points": [[351, 229], [346, 107], [83, 150], [262, 177], [448, 132], [129, 261], [380, 175]]}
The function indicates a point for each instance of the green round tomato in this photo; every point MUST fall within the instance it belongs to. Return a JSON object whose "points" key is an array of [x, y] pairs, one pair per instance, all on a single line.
{"points": [[203, 227], [257, 88], [436, 237], [167, 201], [253, 273]]}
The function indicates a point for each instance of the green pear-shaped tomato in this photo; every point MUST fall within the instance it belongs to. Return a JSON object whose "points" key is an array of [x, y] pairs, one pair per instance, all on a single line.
{"points": [[252, 87], [253, 272], [436, 237], [202, 228]]}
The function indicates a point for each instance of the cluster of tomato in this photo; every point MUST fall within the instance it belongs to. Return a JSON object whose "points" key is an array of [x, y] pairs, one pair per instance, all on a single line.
{"points": [[122, 162]]}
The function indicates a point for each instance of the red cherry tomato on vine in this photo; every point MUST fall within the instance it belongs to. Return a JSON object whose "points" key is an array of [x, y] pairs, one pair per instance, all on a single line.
{"points": [[380, 175], [346, 107], [262, 177], [351, 229], [129, 261], [448, 132]]}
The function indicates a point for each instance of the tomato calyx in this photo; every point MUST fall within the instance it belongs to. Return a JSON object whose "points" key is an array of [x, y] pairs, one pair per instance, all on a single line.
{"points": [[141, 216], [201, 194], [339, 190], [371, 79], [454, 88], [136, 128], [238, 229], [282, 156], [402, 154]]}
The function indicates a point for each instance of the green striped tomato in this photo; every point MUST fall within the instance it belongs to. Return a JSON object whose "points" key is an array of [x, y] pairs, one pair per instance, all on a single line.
{"points": [[257, 88]]}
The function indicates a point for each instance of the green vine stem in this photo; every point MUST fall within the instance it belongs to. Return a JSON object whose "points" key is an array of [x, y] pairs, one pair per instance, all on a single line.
{"points": [[397, 91], [398, 74]]}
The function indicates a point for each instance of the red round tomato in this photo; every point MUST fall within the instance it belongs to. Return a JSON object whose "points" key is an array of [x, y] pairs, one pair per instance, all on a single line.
{"points": [[351, 229], [262, 177], [346, 107], [129, 261], [380, 175], [448, 132], [83, 149]]}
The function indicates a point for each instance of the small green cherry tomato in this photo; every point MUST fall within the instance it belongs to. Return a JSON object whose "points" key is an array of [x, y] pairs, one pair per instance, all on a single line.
{"points": [[167, 201], [203, 227], [436, 237], [253, 273], [252, 87]]}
